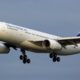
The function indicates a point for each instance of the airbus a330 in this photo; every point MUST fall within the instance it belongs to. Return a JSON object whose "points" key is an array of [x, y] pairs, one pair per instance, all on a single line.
{"points": [[13, 36]]}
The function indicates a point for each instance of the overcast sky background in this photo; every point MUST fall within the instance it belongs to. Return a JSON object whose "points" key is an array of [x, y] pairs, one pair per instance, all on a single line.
{"points": [[59, 17]]}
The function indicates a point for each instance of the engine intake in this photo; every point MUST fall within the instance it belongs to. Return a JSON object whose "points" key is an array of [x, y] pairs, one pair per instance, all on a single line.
{"points": [[52, 44]]}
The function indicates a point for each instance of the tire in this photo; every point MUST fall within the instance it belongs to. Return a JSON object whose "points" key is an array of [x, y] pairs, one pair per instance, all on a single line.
{"points": [[21, 57], [51, 55], [28, 60], [54, 59], [24, 61], [58, 59]]}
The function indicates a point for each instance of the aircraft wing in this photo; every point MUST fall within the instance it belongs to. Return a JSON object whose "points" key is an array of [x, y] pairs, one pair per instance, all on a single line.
{"points": [[63, 41], [69, 41]]}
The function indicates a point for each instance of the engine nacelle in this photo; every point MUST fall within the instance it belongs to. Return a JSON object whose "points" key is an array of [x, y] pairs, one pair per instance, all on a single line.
{"points": [[4, 48], [51, 44]]}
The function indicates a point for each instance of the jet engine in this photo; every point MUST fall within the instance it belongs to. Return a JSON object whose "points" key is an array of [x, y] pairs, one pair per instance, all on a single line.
{"points": [[51, 44], [4, 48]]}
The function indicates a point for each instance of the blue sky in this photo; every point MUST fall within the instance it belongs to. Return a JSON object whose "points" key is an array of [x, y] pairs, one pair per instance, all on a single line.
{"points": [[59, 17]]}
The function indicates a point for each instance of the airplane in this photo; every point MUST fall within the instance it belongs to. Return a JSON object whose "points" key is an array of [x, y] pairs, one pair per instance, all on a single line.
{"points": [[25, 39]]}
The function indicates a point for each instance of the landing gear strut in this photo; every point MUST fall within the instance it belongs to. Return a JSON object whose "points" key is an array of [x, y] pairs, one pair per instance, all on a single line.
{"points": [[54, 57], [24, 57]]}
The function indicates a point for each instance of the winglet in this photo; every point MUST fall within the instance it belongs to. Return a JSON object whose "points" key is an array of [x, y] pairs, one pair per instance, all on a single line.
{"points": [[78, 34]]}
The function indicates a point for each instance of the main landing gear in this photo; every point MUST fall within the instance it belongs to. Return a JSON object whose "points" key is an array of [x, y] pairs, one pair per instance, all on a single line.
{"points": [[24, 57], [54, 57]]}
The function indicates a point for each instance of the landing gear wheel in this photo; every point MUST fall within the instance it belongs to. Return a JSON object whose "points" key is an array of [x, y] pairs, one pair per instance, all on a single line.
{"points": [[24, 61], [51, 55], [58, 59], [21, 57], [54, 59], [28, 60]]}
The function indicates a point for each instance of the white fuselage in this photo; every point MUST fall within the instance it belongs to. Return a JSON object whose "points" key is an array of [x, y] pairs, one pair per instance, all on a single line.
{"points": [[21, 38]]}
